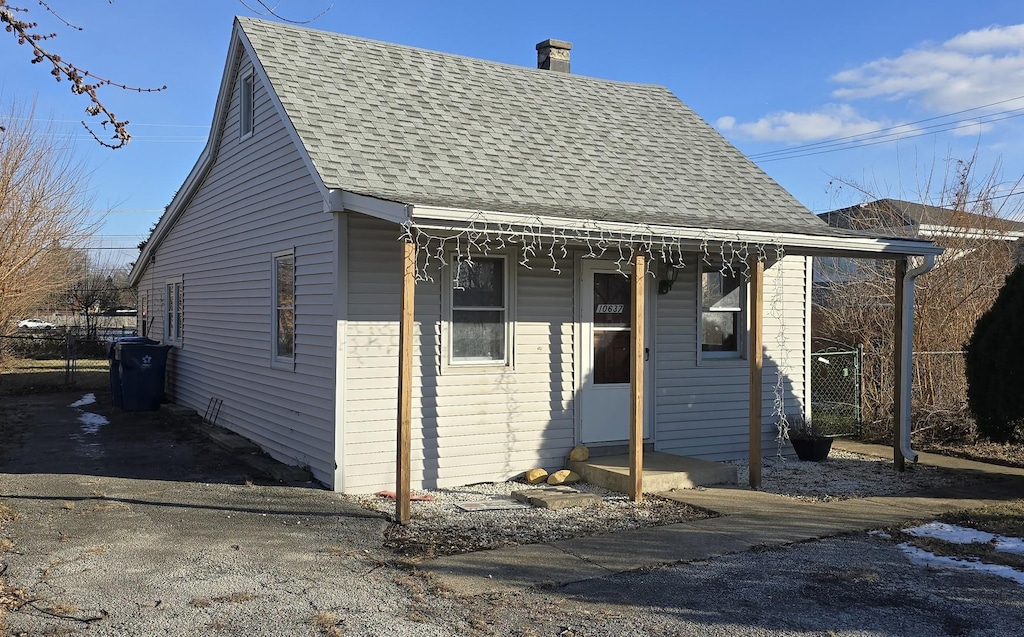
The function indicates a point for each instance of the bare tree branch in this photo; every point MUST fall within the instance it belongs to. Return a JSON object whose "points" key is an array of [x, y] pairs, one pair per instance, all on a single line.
{"points": [[82, 82]]}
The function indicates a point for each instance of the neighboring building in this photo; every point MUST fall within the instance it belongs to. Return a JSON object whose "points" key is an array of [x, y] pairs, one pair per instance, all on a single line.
{"points": [[277, 271], [907, 219]]}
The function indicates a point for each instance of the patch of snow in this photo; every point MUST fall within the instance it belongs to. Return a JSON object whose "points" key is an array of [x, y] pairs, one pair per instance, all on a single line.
{"points": [[965, 535], [88, 399], [951, 533], [881, 534], [924, 558], [1010, 545], [91, 423]]}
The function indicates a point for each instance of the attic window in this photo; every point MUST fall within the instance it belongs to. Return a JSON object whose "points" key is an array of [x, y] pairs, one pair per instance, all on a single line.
{"points": [[246, 89]]}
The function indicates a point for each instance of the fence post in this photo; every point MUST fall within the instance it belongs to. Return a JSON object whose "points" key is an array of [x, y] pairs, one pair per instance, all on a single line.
{"points": [[858, 366], [68, 357]]}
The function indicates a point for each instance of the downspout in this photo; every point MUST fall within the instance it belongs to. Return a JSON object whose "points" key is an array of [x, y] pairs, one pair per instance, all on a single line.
{"points": [[907, 349]]}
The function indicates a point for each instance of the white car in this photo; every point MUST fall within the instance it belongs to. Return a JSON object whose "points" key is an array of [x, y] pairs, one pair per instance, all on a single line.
{"points": [[36, 324]]}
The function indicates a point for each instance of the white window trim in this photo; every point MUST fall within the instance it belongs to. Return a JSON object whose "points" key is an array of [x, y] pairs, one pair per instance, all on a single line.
{"points": [[276, 361], [743, 326], [246, 107], [449, 366], [174, 313], [144, 312]]}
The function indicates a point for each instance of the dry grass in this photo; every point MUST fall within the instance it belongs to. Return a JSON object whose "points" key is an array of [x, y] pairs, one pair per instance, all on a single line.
{"points": [[1003, 519], [1006, 519], [329, 623], [29, 376]]}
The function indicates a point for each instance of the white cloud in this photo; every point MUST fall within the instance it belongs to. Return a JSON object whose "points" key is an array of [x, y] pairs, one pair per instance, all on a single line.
{"points": [[830, 122], [725, 123], [974, 68], [971, 128]]}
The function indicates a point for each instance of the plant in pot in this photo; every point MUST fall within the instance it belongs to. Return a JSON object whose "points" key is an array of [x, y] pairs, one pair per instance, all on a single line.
{"points": [[808, 442]]}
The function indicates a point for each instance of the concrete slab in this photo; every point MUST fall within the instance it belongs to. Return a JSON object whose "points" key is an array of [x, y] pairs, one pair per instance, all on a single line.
{"points": [[661, 472], [556, 498], [178, 411], [731, 500], [511, 569], [653, 547], [229, 441]]}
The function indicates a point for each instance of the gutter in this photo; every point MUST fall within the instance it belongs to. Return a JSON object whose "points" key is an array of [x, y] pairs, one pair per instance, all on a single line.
{"points": [[907, 350]]}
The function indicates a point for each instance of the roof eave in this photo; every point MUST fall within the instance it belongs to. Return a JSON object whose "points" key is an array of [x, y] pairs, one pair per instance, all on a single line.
{"points": [[794, 243]]}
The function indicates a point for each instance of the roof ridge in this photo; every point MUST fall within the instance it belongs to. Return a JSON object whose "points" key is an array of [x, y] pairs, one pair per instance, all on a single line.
{"points": [[505, 65]]}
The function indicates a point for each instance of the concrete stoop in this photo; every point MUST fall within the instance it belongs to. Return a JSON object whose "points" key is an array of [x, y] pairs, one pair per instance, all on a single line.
{"points": [[661, 472]]}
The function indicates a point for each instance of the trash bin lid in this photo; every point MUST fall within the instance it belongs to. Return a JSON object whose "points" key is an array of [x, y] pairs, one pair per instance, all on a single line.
{"points": [[138, 340]]}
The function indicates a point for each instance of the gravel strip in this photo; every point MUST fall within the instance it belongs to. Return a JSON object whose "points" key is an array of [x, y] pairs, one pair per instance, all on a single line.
{"points": [[847, 475], [439, 527]]}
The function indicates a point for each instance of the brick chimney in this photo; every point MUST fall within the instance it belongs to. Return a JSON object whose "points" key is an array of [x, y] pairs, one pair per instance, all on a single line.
{"points": [[553, 55]]}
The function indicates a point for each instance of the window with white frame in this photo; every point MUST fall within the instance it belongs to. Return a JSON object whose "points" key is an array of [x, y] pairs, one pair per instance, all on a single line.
{"points": [[246, 104], [722, 323], [479, 321], [284, 306], [174, 318]]}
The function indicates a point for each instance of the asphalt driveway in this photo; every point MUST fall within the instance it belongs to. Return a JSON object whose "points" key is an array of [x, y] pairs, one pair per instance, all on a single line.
{"points": [[138, 526]]}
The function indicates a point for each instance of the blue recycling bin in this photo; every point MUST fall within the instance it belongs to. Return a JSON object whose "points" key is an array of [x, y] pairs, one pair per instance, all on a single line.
{"points": [[142, 367], [115, 365]]}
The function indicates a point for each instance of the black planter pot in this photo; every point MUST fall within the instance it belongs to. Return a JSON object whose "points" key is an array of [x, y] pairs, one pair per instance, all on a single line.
{"points": [[813, 449]]}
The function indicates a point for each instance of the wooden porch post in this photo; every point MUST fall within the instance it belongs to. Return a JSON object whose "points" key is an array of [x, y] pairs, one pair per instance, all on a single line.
{"points": [[636, 383], [897, 360], [405, 336], [756, 365]]}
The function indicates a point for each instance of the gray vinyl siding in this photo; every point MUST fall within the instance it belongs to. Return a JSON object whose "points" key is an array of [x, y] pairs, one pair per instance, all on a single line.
{"points": [[258, 198], [701, 408], [466, 427]]}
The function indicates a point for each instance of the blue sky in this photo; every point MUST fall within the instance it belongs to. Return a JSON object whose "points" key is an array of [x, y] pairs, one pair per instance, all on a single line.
{"points": [[773, 77]]}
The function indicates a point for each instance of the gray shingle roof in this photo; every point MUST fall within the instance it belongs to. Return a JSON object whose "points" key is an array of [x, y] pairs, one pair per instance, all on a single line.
{"points": [[428, 128]]}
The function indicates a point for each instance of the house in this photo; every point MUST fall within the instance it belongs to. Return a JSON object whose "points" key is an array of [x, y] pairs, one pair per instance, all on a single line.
{"points": [[905, 218], [398, 265]]}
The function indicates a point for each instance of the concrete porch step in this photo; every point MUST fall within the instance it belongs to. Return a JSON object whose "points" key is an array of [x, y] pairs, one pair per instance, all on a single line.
{"points": [[662, 472]]}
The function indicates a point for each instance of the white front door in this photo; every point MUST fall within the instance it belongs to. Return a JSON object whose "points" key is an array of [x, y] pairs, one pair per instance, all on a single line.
{"points": [[606, 335]]}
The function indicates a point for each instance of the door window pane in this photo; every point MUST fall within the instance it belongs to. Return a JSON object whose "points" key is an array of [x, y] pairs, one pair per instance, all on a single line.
{"points": [[611, 357], [611, 300]]}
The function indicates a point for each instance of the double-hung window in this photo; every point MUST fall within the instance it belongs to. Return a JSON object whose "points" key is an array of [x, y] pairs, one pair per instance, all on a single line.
{"points": [[174, 316], [479, 324], [284, 306], [722, 322]]}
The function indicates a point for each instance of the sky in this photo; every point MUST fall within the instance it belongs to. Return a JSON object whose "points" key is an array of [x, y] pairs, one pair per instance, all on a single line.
{"points": [[838, 102]]}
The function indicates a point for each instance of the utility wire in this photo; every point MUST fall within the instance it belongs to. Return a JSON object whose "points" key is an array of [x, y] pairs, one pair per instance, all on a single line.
{"points": [[859, 138]]}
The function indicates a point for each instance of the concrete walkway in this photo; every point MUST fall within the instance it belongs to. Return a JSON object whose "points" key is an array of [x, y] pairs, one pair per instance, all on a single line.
{"points": [[748, 519]]}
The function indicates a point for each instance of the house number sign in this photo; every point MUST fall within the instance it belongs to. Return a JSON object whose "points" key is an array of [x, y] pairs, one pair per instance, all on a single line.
{"points": [[609, 308]]}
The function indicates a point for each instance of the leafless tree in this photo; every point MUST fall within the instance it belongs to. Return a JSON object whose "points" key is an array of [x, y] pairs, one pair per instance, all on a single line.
{"points": [[28, 32], [44, 218], [979, 228]]}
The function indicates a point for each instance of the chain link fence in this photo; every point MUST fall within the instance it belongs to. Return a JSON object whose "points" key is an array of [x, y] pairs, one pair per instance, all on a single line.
{"points": [[836, 391], [53, 360], [852, 393]]}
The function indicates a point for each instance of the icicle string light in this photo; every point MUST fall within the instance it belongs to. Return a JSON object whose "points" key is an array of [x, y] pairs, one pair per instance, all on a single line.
{"points": [[481, 238]]}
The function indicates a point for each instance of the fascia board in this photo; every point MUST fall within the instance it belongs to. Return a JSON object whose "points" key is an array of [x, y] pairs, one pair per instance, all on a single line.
{"points": [[798, 244]]}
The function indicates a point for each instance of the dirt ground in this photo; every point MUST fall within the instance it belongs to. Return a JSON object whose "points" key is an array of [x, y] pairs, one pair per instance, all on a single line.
{"points": [[140, 527]]}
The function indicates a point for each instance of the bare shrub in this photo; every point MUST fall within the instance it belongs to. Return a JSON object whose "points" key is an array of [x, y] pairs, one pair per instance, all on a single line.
{"points": [[979, 231]]}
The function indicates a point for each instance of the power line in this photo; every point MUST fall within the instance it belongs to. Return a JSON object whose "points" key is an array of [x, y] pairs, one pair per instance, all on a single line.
{"points": [[880, 135]]}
